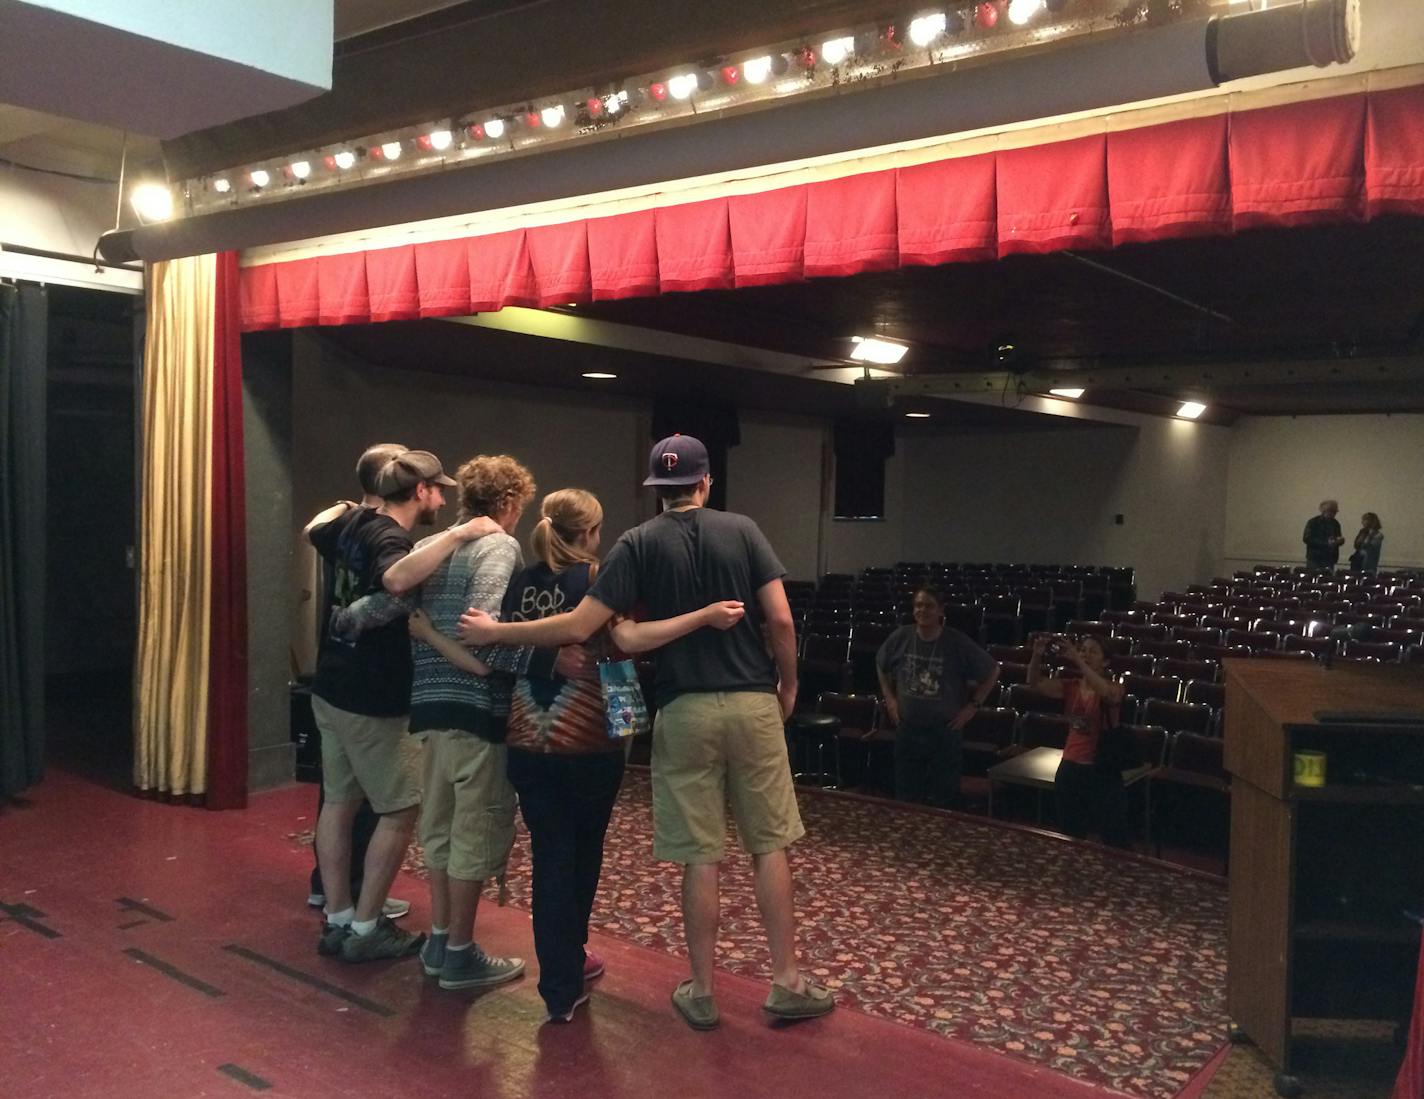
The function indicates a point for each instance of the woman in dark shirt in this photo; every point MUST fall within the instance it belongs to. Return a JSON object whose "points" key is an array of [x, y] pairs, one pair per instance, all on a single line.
{"points": [[1090, 792]]}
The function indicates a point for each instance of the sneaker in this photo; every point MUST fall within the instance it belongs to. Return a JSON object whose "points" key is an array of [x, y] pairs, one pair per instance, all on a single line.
{"points": [[385, 940], [432, 954], [567, 1016], [395, 908], [785, 1004], [473, 968], [592, 965], [332, 936]]}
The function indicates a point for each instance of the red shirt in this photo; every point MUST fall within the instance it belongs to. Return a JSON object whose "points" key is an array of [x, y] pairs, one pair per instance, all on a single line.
{"points": [[1085, 709]]}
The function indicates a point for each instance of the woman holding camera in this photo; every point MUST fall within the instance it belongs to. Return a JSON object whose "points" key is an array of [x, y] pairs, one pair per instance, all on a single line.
{"points": [[1091, 796]]}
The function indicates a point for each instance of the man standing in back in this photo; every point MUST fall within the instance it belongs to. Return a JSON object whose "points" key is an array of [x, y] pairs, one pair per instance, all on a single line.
{"points": [[721, 700], [1322, 537]]}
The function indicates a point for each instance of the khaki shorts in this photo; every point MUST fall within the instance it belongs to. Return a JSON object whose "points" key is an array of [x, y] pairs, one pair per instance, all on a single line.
{"points": [[370, 757], [711, 747], [467, 821]]}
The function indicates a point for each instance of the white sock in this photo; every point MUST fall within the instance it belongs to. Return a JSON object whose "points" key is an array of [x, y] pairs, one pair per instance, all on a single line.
{"points": [[363, 927], [456, 949], [439, 930], [342, 918]]}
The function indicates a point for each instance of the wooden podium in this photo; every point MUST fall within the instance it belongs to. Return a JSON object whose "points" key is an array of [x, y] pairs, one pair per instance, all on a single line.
{"points": [[1320, 876]]}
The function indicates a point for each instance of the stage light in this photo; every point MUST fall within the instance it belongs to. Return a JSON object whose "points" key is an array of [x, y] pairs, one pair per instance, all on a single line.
{"points": [[682, 85], [658, 90], [926, 28], [836, 50], [438, 140], [391, 150], [986, 15], [1190, 410], [1021, 11], [301, 168], [614, 103], [917, 415], [1071, 394], [731, 74], [151, 201], [494, 128], [756, 70], [345, 160], [552, 116], [260, 177], [870, 349], [599, 375], [222, 186], [594, 106]]}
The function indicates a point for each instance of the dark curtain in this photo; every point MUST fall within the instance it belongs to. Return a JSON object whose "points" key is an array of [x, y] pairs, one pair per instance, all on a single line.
{"points": [[24, 318], [862, 446], [717, 427], [227, 659]]}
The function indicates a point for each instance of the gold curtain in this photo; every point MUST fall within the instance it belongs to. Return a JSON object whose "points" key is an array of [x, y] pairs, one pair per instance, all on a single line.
{"points": [[175, 531]]}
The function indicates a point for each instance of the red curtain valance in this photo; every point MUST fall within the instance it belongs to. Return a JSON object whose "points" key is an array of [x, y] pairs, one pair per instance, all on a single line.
{"points": [[1326, 160]]}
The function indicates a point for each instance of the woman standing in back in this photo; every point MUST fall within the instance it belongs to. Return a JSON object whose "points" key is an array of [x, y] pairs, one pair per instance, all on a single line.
{"points": [[1368, 543]]}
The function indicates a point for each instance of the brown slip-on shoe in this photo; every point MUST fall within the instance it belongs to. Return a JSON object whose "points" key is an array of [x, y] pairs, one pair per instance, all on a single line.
{"points": [[785, 1004], [699, 1012]]}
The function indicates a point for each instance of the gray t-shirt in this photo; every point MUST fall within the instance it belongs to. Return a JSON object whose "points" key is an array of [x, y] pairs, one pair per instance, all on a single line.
{"points": [[932, 677], [680, 562]]}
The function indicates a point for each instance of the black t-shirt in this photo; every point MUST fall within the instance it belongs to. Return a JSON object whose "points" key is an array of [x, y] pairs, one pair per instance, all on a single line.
{"points": [[370, 675], [680, 562]]}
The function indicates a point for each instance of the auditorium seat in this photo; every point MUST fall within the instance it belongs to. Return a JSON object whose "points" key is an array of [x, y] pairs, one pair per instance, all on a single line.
{"points": [[988, 737], [1177, 717], [1140, 688], [1185, 669], [1206, 693], [1011, 654], [1041, 730], [1191, 795], [824, 665], [1025, 699], [859, 715], [1255, 640], [1082, 627], [1140, 631], [1316, 646], [1201, 635], [1158, 650], [1130, 665], [1380, 652]]}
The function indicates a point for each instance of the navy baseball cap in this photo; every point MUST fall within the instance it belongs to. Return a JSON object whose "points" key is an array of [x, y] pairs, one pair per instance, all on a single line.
{"points": [[677, 460]]}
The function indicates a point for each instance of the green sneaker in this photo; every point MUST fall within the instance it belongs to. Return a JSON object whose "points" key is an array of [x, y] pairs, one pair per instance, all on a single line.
{"points": [[432, 954], [332, 936], [473, 968], [385, 940]]}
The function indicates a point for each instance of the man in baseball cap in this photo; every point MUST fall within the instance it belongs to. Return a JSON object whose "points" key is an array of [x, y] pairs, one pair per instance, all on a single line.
{"points": [[406, 471], [721, 697]]}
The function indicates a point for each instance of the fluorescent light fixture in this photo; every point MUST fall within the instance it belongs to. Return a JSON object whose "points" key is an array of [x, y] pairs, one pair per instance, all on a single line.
{"points": [[836, 50], [152, 201], [1190, 410], [1071, 394], [345, 159], [599, 375], [756, 70], [260, 177], [927, 28], [917, 415], [301, 168], [553, 116], [682, 85], [391, 150], [869, 349], [222, 186]]}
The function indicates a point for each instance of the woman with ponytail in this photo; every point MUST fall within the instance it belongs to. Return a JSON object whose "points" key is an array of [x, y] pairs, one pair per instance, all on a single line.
{"points": [[562, 762]]}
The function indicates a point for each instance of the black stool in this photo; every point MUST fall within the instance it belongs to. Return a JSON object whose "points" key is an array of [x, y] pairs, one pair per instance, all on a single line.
{"points": [[810, 732]]}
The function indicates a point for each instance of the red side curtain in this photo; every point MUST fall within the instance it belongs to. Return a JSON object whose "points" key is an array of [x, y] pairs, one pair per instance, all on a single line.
{"points": [[1299, 164], [1169, 181], [1054, 196], [227, 654], [1409, 1084]]}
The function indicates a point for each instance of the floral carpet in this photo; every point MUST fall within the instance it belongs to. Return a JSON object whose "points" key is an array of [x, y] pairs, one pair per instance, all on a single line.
{"points": [[1110, 970]]}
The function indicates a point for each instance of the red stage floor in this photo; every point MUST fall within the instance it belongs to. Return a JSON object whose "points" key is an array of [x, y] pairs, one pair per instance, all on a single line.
{"points": [[151, 950]]}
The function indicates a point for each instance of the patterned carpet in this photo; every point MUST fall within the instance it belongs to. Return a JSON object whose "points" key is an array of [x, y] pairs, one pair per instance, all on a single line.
{"points": [[1110, 970]]}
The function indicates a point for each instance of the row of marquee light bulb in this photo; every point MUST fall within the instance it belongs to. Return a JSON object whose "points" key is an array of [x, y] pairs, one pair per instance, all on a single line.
{"points": [[924, 30]]}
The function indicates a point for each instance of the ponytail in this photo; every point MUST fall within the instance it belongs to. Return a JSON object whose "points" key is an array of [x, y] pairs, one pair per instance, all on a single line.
{"points": [[565, 516]]}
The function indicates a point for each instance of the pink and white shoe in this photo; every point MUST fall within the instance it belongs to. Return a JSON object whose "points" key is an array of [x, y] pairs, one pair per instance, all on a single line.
{"points": [[592, 965]]}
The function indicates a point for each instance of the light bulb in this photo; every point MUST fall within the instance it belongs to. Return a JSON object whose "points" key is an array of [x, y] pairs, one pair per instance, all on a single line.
{"points": [[391, 150], [222, 186], [260, 177], [836, 50], [552, 116], [152, 201], [682, 85], [440, 140], [927, 28], [301, 168], [612, 104], [494, 128], [345, 159], [756, 70], [1021, 11]]}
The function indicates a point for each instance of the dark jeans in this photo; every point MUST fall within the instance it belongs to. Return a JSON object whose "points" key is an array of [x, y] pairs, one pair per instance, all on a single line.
{"points": [[566, 801], [362, 829], [928, 762], [1092, 800]]}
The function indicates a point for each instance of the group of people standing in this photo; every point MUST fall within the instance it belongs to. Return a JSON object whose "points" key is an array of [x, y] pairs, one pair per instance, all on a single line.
{"points": [[455, 683], [1323, 539]]}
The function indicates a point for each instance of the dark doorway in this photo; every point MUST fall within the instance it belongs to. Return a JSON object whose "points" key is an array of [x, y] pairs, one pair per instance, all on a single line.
{"points": [[91, 614]]}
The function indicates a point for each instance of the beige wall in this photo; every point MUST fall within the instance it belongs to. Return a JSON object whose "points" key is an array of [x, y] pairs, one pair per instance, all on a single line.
{"points": [[1282, 467]]}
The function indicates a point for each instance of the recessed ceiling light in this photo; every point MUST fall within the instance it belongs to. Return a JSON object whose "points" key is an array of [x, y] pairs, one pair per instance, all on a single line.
{"points": [[599, 375], [917, 415], [1190, 410], [869, 349], [1071, 394]]}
